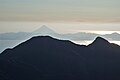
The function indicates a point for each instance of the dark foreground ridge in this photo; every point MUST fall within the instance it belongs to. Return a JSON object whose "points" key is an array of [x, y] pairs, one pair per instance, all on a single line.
{"points": [[46, 58]]}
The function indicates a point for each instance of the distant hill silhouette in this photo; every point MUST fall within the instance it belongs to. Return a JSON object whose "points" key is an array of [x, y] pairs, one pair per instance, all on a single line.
{"points": [[113, 36], [47, 58]]}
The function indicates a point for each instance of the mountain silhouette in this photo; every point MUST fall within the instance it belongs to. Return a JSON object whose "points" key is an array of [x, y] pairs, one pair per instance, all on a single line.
{"points": [[18, 37], [44, 30], [12, 39], [99, 41], [47, 58], [113, 36]]}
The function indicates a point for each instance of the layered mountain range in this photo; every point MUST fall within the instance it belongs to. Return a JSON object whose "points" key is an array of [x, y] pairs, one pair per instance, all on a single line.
{"points": [[10, 40], [46, 31]]}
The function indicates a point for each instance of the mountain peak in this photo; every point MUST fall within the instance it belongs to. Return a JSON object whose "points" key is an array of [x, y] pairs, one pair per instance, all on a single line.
{"points": [[43, 37], [44, 27], [100, 41], [44, 30], [115, 33]]}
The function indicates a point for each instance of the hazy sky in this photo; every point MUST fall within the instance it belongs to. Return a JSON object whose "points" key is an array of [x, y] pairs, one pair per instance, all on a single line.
{"points": [[60, 10]]}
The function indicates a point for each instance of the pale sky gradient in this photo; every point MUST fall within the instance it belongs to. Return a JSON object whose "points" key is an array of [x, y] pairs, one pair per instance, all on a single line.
{"points": [[63, 16], [60, 10]]}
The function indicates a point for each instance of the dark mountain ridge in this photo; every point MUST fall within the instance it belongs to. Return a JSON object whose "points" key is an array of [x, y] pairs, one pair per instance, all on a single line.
{"points": [[46, 58]]}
